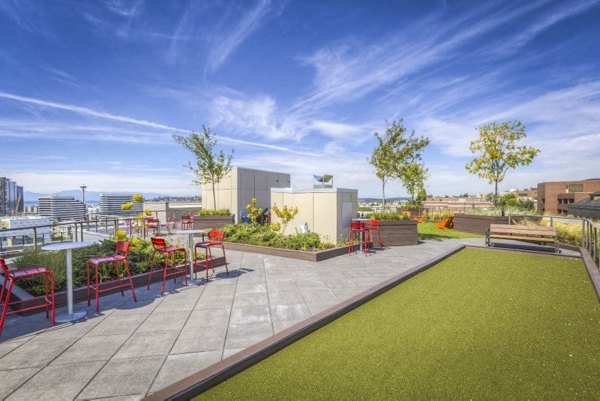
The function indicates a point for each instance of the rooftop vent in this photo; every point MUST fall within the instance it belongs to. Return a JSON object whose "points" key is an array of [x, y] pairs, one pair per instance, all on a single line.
{"points": [[323, 181]]}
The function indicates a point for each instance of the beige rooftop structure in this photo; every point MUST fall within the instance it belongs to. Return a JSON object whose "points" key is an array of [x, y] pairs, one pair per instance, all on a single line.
{"points": [[326, 211], [238, 188]]}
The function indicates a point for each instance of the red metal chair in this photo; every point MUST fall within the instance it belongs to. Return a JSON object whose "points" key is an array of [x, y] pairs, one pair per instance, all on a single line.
{"points": [[215, 238], [161, 247], [358, 228], [374, 225], [187, 221], [150, 223], [120, 255], [45, 301]]}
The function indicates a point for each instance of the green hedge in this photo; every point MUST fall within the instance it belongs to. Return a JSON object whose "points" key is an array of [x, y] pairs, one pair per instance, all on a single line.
{"points": [[262, 235]]}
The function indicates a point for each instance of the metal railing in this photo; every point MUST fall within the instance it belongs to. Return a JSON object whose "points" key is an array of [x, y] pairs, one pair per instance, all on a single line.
{"points": [[590, 238]]}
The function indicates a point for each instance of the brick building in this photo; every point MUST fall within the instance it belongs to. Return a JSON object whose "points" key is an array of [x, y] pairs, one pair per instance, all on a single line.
{"points": [[555, 197]]}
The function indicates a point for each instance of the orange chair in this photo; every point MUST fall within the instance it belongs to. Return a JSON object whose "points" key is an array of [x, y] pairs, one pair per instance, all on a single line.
{"points": [[374, 225], [445, 223], [120, 255], [358, 228], [161, 247], [47, 300], [215, 238]]}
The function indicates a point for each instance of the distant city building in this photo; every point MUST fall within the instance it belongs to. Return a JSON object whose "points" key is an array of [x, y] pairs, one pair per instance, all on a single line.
{"points": [[555, 197], [9, 236], [527, 193], [455, 204], [61, 208], [11, 197], [110, 204], [589, 207]]}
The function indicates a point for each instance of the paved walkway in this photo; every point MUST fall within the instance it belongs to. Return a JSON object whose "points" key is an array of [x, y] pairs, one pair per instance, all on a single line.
{"points": [[132, 349]]}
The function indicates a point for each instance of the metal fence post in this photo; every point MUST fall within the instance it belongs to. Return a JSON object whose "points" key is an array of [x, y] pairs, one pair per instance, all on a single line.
{"points": [[34, 239]]}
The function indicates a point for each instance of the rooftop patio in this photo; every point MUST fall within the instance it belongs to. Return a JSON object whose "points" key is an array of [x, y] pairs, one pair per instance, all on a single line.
{"points": [[131, 349]]}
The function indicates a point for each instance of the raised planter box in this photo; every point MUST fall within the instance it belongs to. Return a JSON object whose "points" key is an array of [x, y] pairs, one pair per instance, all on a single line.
{"points": [[211, 222], [475, 224], [289, 253], [398, 232]]}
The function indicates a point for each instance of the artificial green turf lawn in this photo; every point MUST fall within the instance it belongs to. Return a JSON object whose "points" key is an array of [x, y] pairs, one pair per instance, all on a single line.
{"points": [[430, 231], [482, 324]]}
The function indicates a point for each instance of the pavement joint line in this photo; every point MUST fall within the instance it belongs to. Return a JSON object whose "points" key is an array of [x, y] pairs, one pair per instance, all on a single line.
{"points": [[231, 306], [268, 298], [176, 338], [118, 349]]}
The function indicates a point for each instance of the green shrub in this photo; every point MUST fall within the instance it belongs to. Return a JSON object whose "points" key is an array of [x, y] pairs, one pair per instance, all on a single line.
{"points": [[217, 212], [388, 216], [139, 260], [261, 235], [497, 211]]}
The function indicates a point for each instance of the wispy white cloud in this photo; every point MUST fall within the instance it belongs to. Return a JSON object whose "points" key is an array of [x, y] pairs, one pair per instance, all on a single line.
{"points": [[225, 40]]}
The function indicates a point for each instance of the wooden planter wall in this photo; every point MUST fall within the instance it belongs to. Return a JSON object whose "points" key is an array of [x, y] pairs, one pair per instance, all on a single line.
{"points": [[476, 224], [398, 232], [210, 222]]}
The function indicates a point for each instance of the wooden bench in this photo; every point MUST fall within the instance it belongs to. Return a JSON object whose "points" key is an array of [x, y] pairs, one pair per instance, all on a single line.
{"points": [[542, 235]]}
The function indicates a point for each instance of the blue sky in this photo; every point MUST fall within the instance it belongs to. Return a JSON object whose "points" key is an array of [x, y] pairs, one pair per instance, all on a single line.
{"points": [[90, 91]]}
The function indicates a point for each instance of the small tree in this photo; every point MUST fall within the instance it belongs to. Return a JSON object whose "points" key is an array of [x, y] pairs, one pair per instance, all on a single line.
{"points": [[396, 149], [499, 151], [286, 214], [210, 167], [413, 176]]}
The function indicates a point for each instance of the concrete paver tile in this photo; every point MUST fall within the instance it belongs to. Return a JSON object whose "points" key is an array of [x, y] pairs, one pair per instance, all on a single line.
{"points": [[290, 296], [121, 377], [289, 312], [12, 379], [178, 367], [312, 295], [245, 335], [37, 352], [200, 339], [209, 317], [57, 382], [250, 315], [118, 324], [92, 348], [248, 299], [169, 320], [147, 344], [207, 302]]}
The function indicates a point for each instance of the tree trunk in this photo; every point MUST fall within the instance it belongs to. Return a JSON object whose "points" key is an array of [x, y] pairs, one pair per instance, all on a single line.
{"points": [[496, 193], [214, 196], [383, 195]]}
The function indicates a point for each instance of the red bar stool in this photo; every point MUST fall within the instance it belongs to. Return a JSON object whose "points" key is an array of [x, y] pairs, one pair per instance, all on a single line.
{"points": [[207, 262], [150, 223], [187, 221], [161, 247], [358, 228], [120, 255], [47, 300], [215, 238], [374, 225]]}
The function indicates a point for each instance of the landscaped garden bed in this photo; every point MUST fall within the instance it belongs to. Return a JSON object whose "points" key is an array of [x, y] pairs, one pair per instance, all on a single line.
{"points": [[447, 345], [212, 219]]}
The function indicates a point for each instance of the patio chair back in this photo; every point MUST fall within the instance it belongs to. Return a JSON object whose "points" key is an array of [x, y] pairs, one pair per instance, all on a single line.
{"points": [[158, 243], [122, 248], [216, 235]]}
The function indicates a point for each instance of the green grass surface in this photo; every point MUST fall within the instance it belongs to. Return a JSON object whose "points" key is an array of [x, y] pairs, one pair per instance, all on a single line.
{"points": [[482, 324], [430, 231]]}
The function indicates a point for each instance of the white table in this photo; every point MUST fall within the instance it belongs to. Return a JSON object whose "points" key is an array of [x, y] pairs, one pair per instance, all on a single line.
{"points": [[190, 234], [68, 246]]}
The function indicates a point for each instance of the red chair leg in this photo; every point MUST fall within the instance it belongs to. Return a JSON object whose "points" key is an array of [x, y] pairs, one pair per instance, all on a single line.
{"points": [[130, 281], [87, 269], [53, 313], [116, 267], [151, 268], [5, 307], [97, 297]]}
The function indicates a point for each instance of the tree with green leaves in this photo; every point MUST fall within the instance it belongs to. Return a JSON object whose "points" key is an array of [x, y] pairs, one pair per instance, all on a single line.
{"points": [[396, 150], [499, 151], [210, 167], [413, 177]]}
